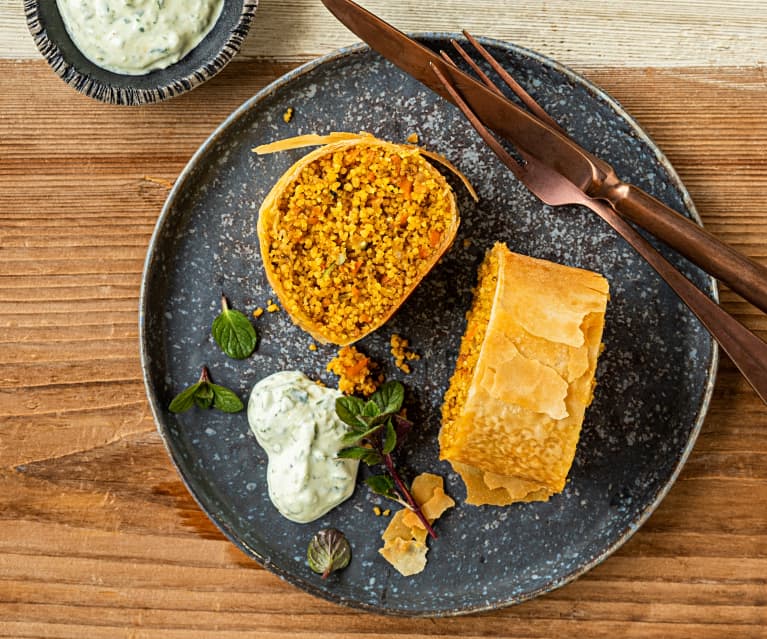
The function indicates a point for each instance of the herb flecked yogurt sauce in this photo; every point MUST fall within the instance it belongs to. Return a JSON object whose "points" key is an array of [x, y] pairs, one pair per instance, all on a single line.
{"points": [[134, 37], [295, 422]]}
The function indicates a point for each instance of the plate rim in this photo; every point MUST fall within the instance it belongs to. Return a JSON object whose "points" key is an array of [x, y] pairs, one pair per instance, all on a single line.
{"points": [[231, 535]]}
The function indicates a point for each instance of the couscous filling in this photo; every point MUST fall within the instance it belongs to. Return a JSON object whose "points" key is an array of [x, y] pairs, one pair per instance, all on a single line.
{"points": [[354, 232], [477, 320]]}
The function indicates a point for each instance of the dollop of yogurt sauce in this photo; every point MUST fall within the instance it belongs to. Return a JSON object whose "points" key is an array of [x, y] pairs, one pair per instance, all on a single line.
{"points": [[134, 37], [294, 420]]}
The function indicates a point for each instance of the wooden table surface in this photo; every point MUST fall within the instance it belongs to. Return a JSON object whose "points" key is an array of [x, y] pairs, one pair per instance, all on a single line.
{"points": [[98, 536]]}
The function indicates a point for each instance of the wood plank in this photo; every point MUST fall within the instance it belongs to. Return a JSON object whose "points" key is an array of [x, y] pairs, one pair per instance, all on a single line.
{"points": [[99, 537], [640, 33]]}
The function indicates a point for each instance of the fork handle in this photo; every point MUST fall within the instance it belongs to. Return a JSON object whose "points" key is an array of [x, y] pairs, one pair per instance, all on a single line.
{"points": [[745, 349], [743, 275]]}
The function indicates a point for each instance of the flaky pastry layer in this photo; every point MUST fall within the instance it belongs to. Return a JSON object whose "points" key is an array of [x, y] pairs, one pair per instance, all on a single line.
{"points": [[514, 434]]}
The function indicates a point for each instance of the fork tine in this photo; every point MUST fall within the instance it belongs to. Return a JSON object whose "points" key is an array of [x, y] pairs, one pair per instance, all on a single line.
{"points": [[483, 76], [523, 95], [503, 154]]}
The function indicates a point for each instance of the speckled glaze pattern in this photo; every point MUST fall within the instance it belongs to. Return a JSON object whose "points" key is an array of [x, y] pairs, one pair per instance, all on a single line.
{"points": [[654, 378], [200, 64]]}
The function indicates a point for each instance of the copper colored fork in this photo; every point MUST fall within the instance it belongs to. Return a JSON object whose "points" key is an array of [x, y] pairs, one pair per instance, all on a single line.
{"points": [[746, 350]]}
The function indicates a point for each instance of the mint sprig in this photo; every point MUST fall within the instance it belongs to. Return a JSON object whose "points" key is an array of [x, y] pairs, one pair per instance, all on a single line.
{"points": [[205, 394], [233, 332], [376, 431]]}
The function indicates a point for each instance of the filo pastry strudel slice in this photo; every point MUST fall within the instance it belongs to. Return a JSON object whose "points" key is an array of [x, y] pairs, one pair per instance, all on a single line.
{"points": [[525, 374]]}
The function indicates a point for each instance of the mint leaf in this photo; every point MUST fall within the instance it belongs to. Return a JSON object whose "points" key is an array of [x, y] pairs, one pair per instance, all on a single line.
{"points": [[205, 394], [226, 400], [381, 485], [369, 433], [353, 452], [371, 421], [376, 421], [366, 455], [348, 409], [233, 332], [366, 419], [355, 436], [389, 397], [370, 409], [390, 439], [185, 399], [351, 438]]}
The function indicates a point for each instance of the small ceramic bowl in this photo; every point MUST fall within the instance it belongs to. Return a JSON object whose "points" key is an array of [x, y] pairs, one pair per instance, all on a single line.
{"points": [[202, 63]]}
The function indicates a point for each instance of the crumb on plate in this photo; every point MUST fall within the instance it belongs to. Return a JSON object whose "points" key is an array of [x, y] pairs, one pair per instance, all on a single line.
{"points": [[356, 371], [400, 352]]}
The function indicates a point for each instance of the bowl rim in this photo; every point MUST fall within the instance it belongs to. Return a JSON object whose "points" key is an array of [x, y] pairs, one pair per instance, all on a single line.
{"points": [[97, 89]]}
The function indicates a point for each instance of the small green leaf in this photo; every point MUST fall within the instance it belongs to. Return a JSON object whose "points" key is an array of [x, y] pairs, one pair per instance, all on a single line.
{"points": [[364, 422], [370, 409], [351, 438], [348, 409], [389, 397], [233, 332], [370, 432], [372, 458], [353, 452], [184, 400], [376, 421], [203, 402], [370, 421], [204, 395], [226, 400], [390, 439], [366, 455], [381, 485], [328, 551]]}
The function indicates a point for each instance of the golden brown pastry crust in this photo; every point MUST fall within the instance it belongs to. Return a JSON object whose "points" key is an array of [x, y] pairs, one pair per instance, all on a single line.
{"points": [[516, 434]]}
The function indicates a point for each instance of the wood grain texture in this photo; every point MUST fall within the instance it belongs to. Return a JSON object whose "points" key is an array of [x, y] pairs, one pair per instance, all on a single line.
{"points": [[98, 536], [639, 33]]}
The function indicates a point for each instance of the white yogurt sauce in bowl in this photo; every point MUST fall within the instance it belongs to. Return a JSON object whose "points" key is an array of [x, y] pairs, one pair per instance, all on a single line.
{"points": [[134, 37], [294, 420]]}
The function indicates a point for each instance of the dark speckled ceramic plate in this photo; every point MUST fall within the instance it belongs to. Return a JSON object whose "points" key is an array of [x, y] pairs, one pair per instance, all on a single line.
{"points": [[655, 375]]}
